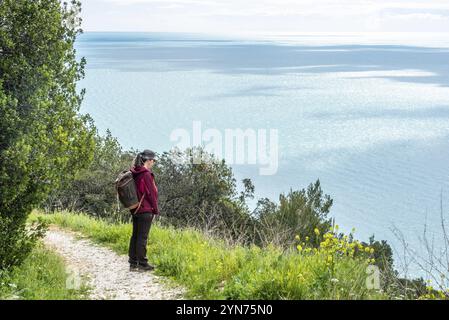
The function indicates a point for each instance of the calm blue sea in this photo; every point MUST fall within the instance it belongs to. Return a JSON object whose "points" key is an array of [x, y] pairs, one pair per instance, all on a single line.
{"points": [[370, 119]]}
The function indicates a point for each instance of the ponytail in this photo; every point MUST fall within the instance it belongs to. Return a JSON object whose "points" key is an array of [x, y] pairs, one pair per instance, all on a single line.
{"points": [[138, 161]]}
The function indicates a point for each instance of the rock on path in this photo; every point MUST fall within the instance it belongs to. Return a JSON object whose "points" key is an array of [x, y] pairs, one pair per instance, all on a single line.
{"points": [[106, 272]]}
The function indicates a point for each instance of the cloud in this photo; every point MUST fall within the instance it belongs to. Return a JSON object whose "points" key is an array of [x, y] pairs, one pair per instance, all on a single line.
{"points": [[419, 16], [266, 15]]}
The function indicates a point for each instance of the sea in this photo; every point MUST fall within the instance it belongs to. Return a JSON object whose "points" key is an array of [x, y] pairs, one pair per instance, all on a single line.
{"points": [[366, 114]]}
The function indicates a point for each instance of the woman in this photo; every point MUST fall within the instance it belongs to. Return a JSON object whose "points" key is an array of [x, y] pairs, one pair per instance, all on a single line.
{"points": [[143, 215]]}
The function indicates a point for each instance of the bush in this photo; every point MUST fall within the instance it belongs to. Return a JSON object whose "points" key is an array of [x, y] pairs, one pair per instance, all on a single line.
{"points": [[92, 189], [298, 212], [200, 195], [16, 242], [43, 138], [203, 195]]}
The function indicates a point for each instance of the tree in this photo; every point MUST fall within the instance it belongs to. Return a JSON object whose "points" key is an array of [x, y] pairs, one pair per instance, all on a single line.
{"points": [[92, 190], [43, 137], [203, 194], [383, 254], [298, 213]]}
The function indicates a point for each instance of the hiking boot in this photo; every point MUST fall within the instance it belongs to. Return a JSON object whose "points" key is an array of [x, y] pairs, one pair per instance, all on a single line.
{"points": [[133, 267], [145, 267]]}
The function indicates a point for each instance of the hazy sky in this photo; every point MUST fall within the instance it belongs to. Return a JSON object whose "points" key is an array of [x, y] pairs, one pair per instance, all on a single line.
{"points": [[266, 16]]}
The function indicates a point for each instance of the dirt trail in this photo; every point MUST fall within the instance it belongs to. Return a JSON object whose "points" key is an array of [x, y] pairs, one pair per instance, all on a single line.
{"points": [[106, 272]]}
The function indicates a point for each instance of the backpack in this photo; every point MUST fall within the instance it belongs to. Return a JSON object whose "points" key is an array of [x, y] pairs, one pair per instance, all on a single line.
{"points": [[127, 191]]}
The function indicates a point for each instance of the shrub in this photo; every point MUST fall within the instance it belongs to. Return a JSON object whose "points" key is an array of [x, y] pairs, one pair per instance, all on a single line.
{"points": [[92, 189], [16, 242], [43, 138], [298, 212]]}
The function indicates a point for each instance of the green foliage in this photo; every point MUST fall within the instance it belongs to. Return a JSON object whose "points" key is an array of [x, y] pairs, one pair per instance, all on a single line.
{"points": [[202, 194], [185, 184], [299, 212], [92, 189], [383, 253], [197, 195], [212, 269], [43, 138], [15, 246], [42, 276]]}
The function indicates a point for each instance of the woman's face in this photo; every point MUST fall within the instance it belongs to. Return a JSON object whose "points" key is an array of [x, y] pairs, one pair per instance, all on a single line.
{"points": [[150, 163]]}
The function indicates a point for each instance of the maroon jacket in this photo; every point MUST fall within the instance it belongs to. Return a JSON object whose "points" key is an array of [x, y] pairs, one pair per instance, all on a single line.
{"points": [[146, 185]]}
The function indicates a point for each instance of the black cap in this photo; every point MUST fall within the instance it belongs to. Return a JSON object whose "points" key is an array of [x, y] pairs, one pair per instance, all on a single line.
{"points": [[148, 155]]}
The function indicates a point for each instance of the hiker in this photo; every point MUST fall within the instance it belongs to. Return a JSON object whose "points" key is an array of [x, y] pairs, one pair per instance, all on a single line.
{"points": [[142, 216]]}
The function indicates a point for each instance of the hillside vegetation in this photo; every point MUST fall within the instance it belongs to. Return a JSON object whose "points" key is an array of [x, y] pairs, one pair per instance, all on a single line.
{"points": [[42, 276], [212, 269]]}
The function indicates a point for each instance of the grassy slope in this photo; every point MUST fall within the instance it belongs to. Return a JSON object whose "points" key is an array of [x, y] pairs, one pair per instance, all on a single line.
{"points": [[211, 270], [41, 277]]}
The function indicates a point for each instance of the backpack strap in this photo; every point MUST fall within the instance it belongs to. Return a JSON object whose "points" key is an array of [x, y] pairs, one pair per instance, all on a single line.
{"points": [[140, 204]]}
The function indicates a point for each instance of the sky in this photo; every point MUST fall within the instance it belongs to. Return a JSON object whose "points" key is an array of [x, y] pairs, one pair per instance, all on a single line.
{"points": [[266, 16]]}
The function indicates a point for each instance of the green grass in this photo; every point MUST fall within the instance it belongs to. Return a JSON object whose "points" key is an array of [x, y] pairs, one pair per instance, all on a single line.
{"points": [[42, 276], [210, 269]]}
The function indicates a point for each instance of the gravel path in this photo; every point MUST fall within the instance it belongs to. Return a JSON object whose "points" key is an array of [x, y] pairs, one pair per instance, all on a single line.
{"points": [[106, 273]]}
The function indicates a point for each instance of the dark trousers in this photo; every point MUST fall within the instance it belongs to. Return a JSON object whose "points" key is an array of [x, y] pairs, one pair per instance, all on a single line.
{"points": [[139, 238]]}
